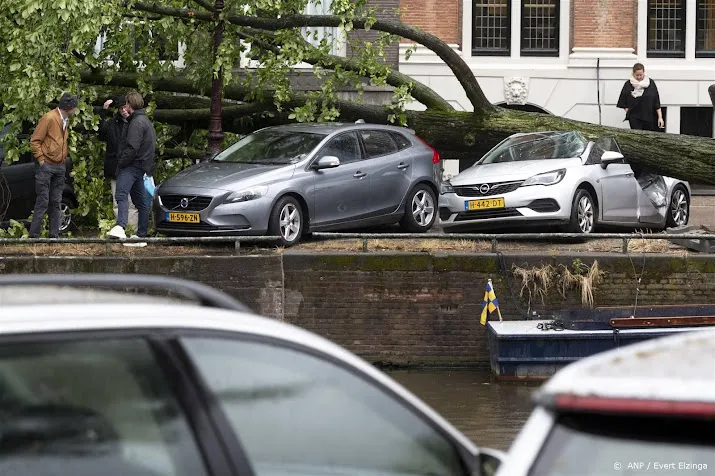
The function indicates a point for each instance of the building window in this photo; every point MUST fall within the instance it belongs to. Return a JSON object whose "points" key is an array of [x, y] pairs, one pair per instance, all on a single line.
{"points": [[666, 28], [491, 28], [696, 121], [540, 28], [705, 36]]}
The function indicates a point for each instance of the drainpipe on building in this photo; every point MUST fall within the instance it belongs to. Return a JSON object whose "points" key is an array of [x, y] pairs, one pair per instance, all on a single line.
{"points": [[598, 86]]}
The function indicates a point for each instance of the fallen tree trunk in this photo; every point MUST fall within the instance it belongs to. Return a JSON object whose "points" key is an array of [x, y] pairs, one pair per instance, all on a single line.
{"points": [[461, 135]]}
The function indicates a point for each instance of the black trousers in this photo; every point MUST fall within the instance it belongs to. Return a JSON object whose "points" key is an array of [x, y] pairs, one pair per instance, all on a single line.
{"points": [[642, 125], [49, 184]]}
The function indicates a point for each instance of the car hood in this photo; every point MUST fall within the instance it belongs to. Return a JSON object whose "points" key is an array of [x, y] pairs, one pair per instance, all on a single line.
{"points": [[217, 175], [506, 171]]}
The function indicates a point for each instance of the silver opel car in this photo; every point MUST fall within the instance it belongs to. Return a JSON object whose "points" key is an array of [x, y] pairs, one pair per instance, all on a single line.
{"points": [[294, 179], [561, 178]]}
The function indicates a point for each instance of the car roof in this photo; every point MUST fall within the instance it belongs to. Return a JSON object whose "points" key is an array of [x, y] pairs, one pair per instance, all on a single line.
{"points": [[331, 127], [104, 314], [673, 368]]}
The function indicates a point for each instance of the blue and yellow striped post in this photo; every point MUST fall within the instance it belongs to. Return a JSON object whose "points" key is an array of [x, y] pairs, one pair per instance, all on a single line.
{"points": [[490, 304]]}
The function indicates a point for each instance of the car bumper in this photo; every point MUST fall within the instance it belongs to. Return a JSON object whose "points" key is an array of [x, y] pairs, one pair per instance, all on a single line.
{"points": [[216, 218], [535, 205]]}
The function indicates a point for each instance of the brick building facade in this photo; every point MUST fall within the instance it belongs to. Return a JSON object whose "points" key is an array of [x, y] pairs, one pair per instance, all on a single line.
{"points": [[571, 57]]}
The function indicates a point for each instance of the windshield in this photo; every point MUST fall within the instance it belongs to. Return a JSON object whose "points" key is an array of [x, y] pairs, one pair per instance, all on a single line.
{"points": [[271, 147], [618, 445], [560, 145]]}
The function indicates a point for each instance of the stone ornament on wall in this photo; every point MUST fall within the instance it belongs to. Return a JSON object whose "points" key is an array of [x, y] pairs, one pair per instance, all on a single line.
{"points": [[516, 91]]}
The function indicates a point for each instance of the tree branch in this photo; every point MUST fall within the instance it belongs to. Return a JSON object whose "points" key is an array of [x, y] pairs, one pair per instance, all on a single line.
{"points": [[422, 93], [461, 70]]}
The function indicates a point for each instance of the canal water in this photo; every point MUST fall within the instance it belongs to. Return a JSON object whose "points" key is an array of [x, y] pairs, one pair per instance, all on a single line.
{"points": [[491, 414]]}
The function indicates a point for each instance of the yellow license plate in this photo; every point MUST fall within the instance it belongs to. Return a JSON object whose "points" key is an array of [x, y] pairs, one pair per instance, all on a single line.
{"points": [[484, 204], [176, 217]]}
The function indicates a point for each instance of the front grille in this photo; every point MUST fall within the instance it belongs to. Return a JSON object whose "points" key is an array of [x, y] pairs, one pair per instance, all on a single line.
{"points": [[487, 214], [195, 203], [497, 188]]}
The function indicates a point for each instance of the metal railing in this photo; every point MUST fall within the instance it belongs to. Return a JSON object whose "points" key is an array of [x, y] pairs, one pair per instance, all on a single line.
{"points": [[366, 237]]}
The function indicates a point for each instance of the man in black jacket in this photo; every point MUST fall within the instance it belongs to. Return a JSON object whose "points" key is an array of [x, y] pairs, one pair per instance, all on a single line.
{"points": [[136, 158], [112, 131]]}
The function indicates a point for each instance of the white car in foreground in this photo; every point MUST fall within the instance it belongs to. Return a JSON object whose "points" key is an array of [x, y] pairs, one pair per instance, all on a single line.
{"points": [[646, 408], [121, 384], [560, 178]]}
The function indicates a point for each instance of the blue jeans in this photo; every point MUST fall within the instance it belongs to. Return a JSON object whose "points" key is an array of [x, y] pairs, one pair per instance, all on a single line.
{"points": [[130, 181], [49, 184]]}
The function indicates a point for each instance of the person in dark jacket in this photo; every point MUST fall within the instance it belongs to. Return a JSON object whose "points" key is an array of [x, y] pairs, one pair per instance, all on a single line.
{"points": [[136, 158], [641, 101], [112, 131]]}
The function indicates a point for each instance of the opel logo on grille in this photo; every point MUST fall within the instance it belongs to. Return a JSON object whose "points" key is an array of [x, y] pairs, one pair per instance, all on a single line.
{"points": [[184, 202], [484, 188]]}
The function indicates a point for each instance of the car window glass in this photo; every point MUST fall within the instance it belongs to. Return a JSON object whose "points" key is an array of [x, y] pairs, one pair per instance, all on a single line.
{"points": [[99, 407], [600, 445], [401, 141], [600, 146], [537, 146], [345, 147], [271, 147], [292, 409], [378, 143]]}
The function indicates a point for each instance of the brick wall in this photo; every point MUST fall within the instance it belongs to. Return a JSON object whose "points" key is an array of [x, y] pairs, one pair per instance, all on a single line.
{"points": [[406, 308], [384, 10], [604, 23], [442, 18]]}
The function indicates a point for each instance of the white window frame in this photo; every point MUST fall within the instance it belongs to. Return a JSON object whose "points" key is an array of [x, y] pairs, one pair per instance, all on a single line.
{"points": [[515, 53]]}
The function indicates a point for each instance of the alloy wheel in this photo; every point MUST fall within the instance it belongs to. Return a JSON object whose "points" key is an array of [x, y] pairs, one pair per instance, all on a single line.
{"points": [[585, 215], [679, 208], [423, 208], [290, 222], [65, 216]]}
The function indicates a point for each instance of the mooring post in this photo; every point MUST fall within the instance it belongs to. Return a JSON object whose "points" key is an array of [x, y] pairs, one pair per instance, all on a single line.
{"points": [[494, 245], [237, 245], [625, 246], [364, 245]]}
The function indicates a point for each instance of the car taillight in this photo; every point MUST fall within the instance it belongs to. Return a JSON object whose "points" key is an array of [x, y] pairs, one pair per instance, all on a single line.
{"points": [[635, 406], [435, 154]]}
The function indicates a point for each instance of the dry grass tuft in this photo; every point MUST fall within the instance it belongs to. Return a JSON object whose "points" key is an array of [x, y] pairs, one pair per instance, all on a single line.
{"points": [[535, 281]]}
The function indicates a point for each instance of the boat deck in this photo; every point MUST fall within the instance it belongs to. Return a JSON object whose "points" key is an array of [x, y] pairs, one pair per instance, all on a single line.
{"points": [[506, 329]]}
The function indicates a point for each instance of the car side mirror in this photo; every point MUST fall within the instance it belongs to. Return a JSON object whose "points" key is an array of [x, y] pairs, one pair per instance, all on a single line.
{"points": [[489, 461], [609, 157], [327, 162]]}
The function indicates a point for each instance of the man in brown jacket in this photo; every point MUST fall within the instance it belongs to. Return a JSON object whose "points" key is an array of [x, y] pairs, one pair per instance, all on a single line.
{"points": [[49, 144]]}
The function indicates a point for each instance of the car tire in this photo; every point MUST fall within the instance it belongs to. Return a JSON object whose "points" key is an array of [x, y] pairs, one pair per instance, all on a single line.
{"points": [[420, 210], [678, 208], [584, 213], [286, 221], [66, 205]]}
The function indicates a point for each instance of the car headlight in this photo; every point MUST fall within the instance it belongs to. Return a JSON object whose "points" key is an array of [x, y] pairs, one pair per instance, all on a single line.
{"points": [[548, 178], [446, 187], [247, 194]]}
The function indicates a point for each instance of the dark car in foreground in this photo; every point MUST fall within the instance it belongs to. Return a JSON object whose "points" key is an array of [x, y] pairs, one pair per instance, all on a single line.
{"points": [[289, 180], [17, 188], [115, 383]]}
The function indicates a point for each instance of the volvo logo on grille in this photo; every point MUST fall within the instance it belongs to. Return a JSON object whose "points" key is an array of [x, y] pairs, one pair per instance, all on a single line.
{"points": [[484, 188], [184, 202]]}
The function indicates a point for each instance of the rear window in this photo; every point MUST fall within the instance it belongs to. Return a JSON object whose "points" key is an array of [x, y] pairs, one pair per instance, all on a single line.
{"points": [[605, 445], [401, 141]]}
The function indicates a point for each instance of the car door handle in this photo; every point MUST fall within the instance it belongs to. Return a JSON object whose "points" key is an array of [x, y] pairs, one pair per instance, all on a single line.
{"points": [[359, 174], [403, 166]]}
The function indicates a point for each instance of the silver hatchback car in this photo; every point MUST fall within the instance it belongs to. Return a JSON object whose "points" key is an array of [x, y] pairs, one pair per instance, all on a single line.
{"points": [[289, 180]]}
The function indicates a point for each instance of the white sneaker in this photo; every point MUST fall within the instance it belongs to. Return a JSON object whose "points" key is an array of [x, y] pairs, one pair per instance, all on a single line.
{"points": [[139, 244], [117, 232]]}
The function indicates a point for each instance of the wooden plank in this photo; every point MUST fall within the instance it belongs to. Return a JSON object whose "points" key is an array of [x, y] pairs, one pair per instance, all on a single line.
{"points": [[631, 322]]}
